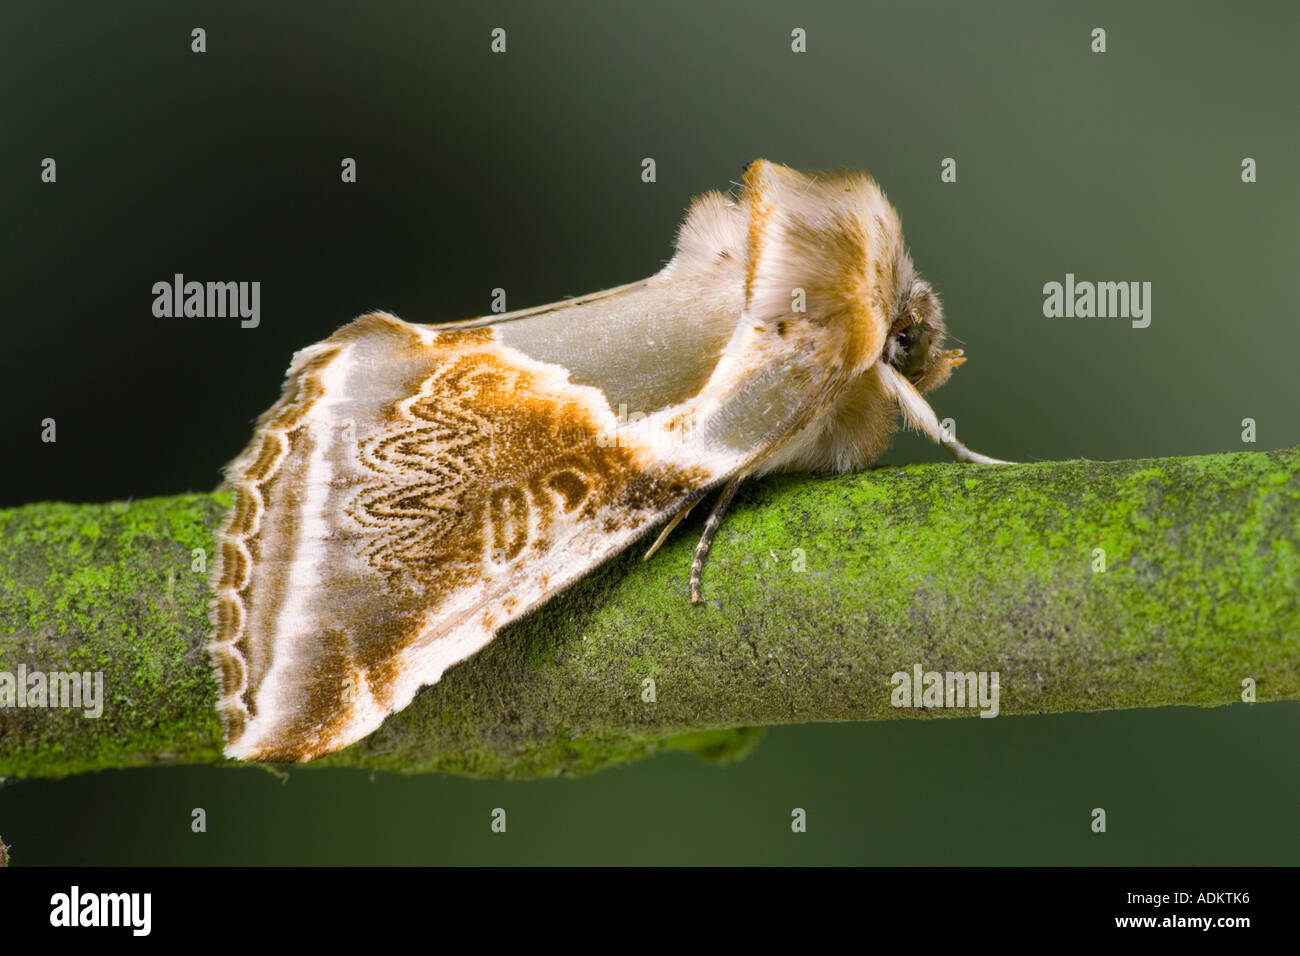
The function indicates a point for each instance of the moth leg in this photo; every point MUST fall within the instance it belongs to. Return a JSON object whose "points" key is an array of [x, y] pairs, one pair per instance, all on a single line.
{"points": [[918, 414], [962, 453], [668, 529], [706, 539]]}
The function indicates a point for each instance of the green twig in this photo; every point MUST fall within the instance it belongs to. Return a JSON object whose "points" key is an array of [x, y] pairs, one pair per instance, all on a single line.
{"points": [[818, 590]]}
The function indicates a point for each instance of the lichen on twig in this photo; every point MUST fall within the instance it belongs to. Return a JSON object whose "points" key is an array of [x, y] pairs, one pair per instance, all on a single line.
{"points": [[818, 590]]}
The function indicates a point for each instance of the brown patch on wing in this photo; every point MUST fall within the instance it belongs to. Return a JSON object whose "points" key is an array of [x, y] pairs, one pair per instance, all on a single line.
{"points": [[483, 477]]}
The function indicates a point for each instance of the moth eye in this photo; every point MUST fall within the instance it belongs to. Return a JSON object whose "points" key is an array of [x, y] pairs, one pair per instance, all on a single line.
{"points": [[910, 336], [913, 341]]}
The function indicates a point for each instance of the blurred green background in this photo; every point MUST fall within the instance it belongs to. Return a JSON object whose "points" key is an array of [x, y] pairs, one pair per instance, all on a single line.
{"points": [[522, 170]]}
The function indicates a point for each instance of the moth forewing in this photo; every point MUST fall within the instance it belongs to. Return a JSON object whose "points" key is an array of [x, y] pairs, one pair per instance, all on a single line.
{"points": [[417, 487]]}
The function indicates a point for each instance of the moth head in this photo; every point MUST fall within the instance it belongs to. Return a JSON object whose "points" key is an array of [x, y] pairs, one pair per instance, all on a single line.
{"points": [[915, 340]]}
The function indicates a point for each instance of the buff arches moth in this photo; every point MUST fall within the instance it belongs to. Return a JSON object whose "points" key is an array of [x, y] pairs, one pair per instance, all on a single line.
{"points": [[417, 487]]}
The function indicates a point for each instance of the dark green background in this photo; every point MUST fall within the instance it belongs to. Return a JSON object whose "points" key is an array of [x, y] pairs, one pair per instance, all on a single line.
{"points": [[522, 171]]}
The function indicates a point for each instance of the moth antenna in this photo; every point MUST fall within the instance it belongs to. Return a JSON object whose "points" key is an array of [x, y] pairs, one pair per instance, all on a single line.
{"points": [[918, 414], [673, 522], [706, 539]]}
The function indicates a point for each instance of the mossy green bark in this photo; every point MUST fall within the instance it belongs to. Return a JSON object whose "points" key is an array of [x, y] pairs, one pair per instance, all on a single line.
{"points": [[817, 591]]}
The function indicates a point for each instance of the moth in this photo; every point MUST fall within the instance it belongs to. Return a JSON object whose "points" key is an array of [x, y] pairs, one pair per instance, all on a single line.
{"points": [[417, 487]]}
